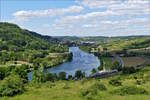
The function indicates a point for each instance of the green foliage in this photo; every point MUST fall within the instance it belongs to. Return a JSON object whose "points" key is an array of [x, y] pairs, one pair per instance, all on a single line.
{"points": [[128, 70], [38, 77], [101, 62], [21, 71], [115, 82], [93, 71], [11, 86], [93, 89], [99, 86], [79, 74], [116, 65], [62, 75], [130, 90], [17, 44], [70, 77], [140, 82], [3, 73]]}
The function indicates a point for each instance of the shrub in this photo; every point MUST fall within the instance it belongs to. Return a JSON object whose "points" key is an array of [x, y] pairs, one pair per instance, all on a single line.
{"points": [[93, 71], [38, 77], [62, 75], [84, 92], [93, 90], [49, 77], [99, 86], [140, 82], [5, 71], [21, 71], [2, 73], [79, 74], [116, 65], [70, 77], [115, 82], [130, 90], [128, 70], [11, 86]]}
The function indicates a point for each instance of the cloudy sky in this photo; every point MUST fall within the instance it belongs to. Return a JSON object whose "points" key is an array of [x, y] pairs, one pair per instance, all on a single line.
{"points": [[79, 17]]}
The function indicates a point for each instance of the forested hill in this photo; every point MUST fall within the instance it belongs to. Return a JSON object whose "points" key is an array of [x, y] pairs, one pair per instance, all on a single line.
{"points": [[13, 38]]}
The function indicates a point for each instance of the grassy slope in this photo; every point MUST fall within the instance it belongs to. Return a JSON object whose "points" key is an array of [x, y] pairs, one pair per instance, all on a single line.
{"points": [[71, 90]]}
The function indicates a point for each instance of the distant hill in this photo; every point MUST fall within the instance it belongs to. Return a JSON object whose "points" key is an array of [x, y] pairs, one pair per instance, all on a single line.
{"points": [[130, 42], [101, 39]]}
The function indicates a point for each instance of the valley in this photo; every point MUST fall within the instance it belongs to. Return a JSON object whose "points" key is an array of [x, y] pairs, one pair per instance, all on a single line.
{"points": [[34, 67]]}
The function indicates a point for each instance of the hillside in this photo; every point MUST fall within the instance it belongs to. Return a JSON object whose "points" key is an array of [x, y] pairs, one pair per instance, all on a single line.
{"points": [[12, 37], [19, 46]]}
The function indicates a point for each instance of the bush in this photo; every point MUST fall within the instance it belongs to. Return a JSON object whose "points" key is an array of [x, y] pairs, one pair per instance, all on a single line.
{"points": [[116, 65], [62, 75], [38, 77], [93, 90], [5, 71], [99, 86], [49, 77], [130, 90], [70, 77], [94, 71], [140, 82], [128, 70], [11, 86], [21, 71], [79, 74], [115, 82], [2, 73]]}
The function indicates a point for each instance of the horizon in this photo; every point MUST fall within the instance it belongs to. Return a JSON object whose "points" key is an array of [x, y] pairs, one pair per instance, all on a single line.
{"points": [[80, 18]]}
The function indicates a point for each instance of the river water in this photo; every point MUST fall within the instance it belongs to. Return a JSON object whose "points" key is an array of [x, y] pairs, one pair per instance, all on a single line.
{"points": [[81, 61]]}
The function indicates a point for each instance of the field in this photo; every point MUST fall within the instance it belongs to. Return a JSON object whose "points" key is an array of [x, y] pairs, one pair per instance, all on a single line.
{"points": [[127, 43], [133, 61], [72, 90]]}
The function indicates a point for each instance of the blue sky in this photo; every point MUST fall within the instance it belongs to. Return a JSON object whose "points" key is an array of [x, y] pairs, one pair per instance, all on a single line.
{"points": [[79, 17]]}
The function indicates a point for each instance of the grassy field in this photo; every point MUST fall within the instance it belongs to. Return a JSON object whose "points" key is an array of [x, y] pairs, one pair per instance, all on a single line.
{"points": [[72, 90]]}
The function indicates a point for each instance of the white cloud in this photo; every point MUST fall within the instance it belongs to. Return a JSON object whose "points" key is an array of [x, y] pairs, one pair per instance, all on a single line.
{"points": [[49, 12], [96, 24], [89, 26], [130, 7], [98, 3]]}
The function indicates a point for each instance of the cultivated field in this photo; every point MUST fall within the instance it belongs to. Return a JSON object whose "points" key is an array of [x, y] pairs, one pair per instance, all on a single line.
{"points": [[133, 61]]}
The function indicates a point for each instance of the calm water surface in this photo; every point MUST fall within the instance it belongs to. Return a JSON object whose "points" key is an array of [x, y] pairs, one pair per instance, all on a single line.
{"points": [[81, 61]]}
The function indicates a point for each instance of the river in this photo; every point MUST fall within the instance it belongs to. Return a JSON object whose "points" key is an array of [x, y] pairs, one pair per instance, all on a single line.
{"points": [[81, 61]]}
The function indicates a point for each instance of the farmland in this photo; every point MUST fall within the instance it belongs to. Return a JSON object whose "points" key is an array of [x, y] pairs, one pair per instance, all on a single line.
{"points": [[134, 61]]}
